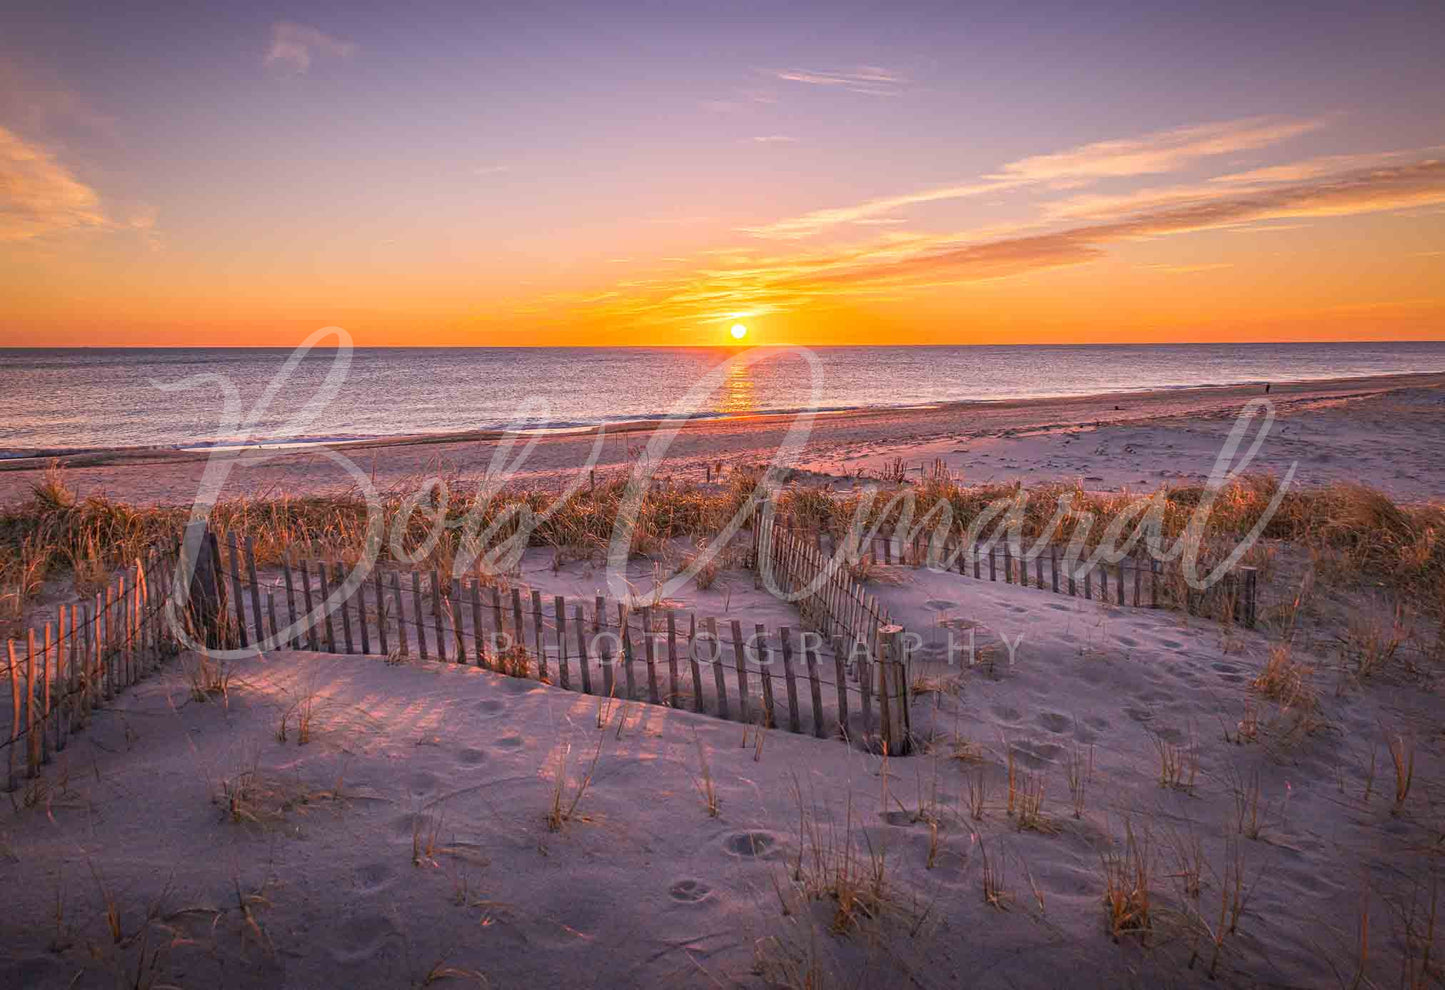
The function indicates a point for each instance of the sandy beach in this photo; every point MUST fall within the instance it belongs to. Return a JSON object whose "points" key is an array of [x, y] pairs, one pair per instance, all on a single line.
{"points": [[1143, 795], [1385, 430]]}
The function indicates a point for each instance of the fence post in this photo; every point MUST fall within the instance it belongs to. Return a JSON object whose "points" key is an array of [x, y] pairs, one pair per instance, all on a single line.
{"points": [[204, 594], [236, 591], [892, 702]]}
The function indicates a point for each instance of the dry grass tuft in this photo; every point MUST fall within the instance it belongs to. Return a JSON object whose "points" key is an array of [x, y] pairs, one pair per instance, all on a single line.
{"points": [[994, 883], [1284, 680], [833, 866], [1031, 817], [1079, 770], [207, 678], [514, 661], [1233, 896], [1178, 762], [565, 796], [705, 784], [1128, 876], [1402, 757], [1370, 645]]}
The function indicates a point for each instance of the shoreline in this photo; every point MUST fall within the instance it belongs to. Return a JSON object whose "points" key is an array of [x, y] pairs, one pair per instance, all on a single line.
{"points": [[24, 458], [846, 443]]}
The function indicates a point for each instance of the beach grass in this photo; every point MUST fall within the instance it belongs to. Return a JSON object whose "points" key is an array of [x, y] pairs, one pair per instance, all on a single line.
{"points": [[1357, 534]]}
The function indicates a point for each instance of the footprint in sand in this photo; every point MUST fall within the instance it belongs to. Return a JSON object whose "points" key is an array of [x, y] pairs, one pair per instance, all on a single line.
{"points": [[374, 877], [1169, 734], [1127, 641], [1006, 714], [414, 823], [1172, 644], [1054, 722], [422, 782], [1036, 756], [511, 741], [362, 936], [689, 891], [750, 845], [491, 706], [1139, 714], [471, 756]]}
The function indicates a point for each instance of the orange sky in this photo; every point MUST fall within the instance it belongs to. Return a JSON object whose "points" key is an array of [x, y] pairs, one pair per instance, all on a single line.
{"points": [[307, 184]]}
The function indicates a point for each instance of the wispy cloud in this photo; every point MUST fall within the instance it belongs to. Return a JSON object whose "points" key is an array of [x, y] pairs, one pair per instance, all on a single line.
{"points": [[39, 196], [491, 169], [774, 139], [868, 79], [1311, 168], [295, 46], [1210, 266], [1156, 153], [811, 223], [1355, 192], [910, 262], [1150, 154]]}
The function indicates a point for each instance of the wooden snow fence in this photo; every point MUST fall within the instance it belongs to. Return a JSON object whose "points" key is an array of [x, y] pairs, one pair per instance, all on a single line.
{"points": [[802, 678], [835, 605], [1138, 580], [60, 671]]}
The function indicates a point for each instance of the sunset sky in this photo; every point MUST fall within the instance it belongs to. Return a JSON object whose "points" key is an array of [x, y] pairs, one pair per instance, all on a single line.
{"points": [[449, 173]]}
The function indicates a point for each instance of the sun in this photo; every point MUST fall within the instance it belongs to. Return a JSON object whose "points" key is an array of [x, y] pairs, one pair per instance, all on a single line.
{"points": [[738, 331]]}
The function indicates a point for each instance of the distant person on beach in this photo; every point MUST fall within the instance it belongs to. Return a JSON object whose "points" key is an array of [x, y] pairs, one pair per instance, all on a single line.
{"points": [[1266, 388]]}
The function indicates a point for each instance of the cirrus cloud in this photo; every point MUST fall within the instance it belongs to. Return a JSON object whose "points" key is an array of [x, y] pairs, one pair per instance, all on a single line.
{"points": [[295, 46], [39, 196]]}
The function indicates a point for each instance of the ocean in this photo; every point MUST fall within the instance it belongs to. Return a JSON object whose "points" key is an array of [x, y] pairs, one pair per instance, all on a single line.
{"points": [[76, 399]]}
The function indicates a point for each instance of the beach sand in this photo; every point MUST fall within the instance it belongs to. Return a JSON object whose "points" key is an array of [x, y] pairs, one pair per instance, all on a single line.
{"points": [[407, 842], [1385, 431]]}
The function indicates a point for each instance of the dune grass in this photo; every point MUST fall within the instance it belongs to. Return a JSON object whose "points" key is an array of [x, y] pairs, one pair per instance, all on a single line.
{"points": [[1361, 534]]}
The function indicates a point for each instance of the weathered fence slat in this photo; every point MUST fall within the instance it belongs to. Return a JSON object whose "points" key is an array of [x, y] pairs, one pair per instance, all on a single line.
{"points": [[839, 667], [339, 579], [291, 600], [624, 623], [401, 637], [582, 658], [673, 689], [648, 652], [719, 681], [361, 617], [760, 643], [379, 592], [559, 609], [11, 782], [255, 589], [325, 592], [790, 681], [477, 648], [420, 615], [810, 657], [438, 622], [236, 591], [740, 660], [539, 632], [694, 664]]}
